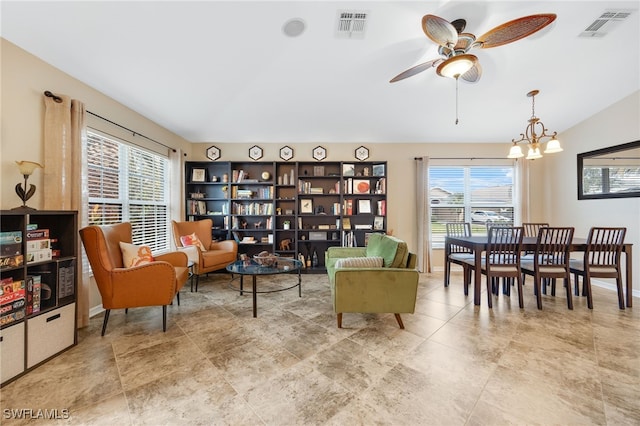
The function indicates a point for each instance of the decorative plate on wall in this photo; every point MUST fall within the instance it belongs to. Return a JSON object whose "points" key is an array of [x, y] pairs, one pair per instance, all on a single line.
{"points": [[319, 153], [362, 153], [286, 153], [213, 153], [255, 152]]}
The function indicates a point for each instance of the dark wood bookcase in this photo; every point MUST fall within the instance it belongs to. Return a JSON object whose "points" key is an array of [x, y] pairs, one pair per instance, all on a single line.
{"points": [[294, 209]]}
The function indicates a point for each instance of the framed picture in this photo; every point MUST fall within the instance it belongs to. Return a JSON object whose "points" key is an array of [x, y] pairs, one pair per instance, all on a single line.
{"points": [[360, 186], [306, 205], [348, 169], [198, 175], [318, 170], [364, 206], [378, 223], [378, 169]]}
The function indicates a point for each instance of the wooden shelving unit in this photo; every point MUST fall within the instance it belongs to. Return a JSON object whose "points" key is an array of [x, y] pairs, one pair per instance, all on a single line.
{"points": [[30, 336], [294, 209]]}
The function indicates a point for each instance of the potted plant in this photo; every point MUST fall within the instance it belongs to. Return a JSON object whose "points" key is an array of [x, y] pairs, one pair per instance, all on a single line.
{"points": [[286, 224]]}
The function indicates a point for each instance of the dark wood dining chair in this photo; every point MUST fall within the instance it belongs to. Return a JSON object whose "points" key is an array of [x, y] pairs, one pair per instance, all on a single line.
{"points": [[531, 228], [458, 255], [502, 258], [601, 260], [550, 260]]}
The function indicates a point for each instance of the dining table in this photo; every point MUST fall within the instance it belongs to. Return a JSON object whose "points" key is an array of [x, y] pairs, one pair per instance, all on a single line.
{"points": [[478, 245]]}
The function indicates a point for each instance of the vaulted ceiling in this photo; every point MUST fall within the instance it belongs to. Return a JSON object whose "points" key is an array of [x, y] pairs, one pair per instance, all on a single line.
{"points": [[226, 71]]}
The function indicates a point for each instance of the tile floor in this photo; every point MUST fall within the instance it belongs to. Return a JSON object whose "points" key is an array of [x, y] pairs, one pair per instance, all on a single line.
{"points": [[454, 364]]}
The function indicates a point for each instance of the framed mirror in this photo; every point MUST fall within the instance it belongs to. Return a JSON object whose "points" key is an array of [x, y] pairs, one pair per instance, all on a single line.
{"points": [[612, 172]]}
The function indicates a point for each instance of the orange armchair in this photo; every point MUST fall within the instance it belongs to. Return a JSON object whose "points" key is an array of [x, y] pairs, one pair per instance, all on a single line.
{"points": [[218, 254], [150, 284]]}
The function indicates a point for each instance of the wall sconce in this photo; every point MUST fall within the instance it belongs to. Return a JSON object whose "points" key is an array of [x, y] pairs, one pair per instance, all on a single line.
{"points": [[26, 169]]}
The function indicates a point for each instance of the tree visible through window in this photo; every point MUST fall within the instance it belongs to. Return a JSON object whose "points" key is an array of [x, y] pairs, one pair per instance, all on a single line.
{"points": [[481, 195], [128, 184]]}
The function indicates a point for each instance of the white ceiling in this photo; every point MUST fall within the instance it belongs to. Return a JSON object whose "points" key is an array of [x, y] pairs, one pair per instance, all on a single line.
{"points": [[225, 72]]}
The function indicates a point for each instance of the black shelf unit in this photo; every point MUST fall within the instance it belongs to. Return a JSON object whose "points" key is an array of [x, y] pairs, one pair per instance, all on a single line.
{"points": [[290, 208], [31, 336]]}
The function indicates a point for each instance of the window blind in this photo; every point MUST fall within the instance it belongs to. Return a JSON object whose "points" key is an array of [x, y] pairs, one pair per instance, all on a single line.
{"points": [[481, 195], [128, 184]]}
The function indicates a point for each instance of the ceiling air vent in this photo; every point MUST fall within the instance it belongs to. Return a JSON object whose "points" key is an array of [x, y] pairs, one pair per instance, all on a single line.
{"points": [[606, 22], [351, 23]]}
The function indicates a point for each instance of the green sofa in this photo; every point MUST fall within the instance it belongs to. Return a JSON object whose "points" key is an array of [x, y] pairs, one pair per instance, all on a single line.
{"points": [[391, 287]]}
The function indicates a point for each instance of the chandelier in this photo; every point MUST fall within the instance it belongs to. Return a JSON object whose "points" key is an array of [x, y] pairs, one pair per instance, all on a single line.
{"points": [[533, 138]]}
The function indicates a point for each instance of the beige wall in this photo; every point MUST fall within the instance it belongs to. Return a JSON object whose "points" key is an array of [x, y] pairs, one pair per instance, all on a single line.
{"points": [[556, 191], [401, 169], [25, 78]]}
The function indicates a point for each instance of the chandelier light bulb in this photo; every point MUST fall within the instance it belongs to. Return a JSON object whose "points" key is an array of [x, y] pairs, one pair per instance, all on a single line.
{"points": [[515, 152], [534, 153], [553, 146]]}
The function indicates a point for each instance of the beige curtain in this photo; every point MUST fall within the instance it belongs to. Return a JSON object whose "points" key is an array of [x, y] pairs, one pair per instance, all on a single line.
{"points": [[522, 188], [64, 180], [423, 214]]}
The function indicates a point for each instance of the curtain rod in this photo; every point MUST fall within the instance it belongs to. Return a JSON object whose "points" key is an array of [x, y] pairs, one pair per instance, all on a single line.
{"points": [[462, 158], [58, 99]]}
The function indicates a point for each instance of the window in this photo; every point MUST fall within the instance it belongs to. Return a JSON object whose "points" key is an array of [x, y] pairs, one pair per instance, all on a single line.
{"points": [[128, 184], [481, 195]]}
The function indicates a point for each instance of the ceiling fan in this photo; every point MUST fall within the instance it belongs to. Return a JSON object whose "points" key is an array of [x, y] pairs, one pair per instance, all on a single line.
{"points": [[455, 61]]}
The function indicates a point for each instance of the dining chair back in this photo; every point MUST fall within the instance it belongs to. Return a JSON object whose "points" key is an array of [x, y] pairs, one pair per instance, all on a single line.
{"points": [[531, 228], [457, 254], [502, 258], [550, 260], [601, 260]]}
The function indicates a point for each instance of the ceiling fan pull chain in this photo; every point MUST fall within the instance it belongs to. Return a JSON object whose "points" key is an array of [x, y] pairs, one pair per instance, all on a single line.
{"points": [[456, 101]]}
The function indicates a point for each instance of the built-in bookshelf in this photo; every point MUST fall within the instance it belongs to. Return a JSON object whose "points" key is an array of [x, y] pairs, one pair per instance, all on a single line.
{"points": [[294, 209], [39, 288]]}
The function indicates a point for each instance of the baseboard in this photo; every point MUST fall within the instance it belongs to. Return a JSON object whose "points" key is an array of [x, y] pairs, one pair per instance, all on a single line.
{"points": [[96, 310]]}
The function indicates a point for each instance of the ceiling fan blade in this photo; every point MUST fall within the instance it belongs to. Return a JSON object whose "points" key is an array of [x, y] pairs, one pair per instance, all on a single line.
{"points": [[439, 30], [415, 70], [474, 74], [515, 30]]}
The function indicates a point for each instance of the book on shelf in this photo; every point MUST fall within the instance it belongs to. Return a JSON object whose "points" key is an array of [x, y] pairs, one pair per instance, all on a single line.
{"points": [[381, 186], [346, 223], [362, 226], [382, 208], [348, 206]]}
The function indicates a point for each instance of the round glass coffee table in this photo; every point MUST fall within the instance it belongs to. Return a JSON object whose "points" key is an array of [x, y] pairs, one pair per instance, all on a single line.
{"points": [[250, 267]]}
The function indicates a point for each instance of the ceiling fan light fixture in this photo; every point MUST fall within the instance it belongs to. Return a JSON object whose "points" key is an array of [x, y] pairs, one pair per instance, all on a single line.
{"points": [[455, 66], [553, 146]]}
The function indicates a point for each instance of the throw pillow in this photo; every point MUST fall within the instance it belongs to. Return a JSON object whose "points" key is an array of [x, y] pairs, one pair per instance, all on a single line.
{"points": [[133, 255], [359, 262], [393, 250], [192, 240]]}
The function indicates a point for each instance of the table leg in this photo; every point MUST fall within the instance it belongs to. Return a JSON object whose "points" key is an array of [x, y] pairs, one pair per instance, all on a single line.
{"points": [[299, 284], [241, 283], [477, 277], [255, 298]]}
